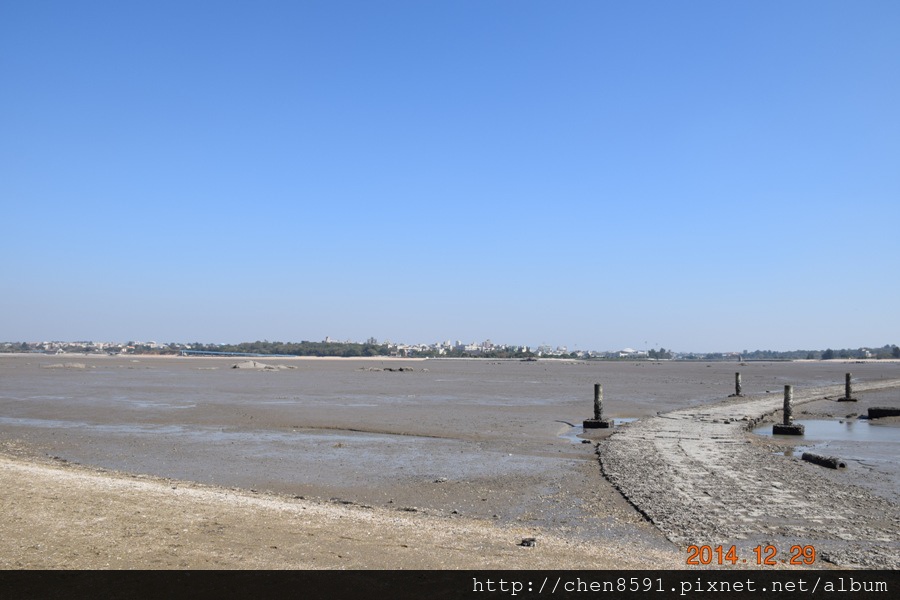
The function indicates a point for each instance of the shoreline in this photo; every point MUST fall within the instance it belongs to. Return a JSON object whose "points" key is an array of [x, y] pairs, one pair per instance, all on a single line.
{"points": [[76, 517], [559, 360], [201, 357]]}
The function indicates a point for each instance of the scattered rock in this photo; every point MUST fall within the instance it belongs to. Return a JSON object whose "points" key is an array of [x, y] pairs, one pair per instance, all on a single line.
{"points": [[258, 366]]}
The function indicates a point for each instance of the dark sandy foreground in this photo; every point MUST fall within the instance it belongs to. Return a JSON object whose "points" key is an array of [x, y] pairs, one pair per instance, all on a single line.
{"points": [[80, 518]]}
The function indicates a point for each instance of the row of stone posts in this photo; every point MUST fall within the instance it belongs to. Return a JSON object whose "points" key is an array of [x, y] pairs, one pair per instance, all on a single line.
{"points": [[786, 427], [848, 389]]}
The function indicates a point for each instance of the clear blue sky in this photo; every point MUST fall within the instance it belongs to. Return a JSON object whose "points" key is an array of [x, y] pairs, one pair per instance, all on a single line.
{"points": [[694, 175]]}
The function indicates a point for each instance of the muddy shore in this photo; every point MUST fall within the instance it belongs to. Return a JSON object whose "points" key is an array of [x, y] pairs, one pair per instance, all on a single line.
{"points": [[58, 516], [482, 448]]}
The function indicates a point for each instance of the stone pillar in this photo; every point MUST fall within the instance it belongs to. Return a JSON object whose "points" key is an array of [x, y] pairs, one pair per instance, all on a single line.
{"points": [[848, 390], [788, 427], [788, 404], [597, 422], [738, 389]]}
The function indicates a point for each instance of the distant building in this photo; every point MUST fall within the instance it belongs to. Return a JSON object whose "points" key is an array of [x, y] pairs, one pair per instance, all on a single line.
{"points": [[632, 353]]}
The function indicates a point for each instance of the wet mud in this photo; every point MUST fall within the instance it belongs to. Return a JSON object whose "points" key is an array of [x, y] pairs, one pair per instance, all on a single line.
{"points": [[490, 440]]}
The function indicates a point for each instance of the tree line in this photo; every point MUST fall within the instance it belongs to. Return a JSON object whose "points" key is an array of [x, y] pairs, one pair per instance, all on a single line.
{"points": [[886, 351], [304, 348]]}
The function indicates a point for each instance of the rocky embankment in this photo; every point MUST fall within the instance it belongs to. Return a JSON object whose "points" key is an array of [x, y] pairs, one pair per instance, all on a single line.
{"points": [[700, 477]]}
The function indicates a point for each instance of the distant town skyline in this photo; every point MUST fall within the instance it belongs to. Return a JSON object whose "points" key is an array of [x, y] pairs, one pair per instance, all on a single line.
{"points": [[706, 176], [447, 347]]}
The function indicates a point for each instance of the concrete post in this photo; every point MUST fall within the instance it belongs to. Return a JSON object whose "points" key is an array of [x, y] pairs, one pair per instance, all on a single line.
{"points": [[737, 385], [848, 391], [788, 404], [788, 427], [597, 422]]}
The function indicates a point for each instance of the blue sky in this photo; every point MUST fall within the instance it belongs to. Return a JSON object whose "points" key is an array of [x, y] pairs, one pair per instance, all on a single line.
{"points": [[694, 175]]}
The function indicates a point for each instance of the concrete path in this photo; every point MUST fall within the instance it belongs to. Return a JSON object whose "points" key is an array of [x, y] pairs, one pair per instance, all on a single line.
{"points": [[700, 477]]}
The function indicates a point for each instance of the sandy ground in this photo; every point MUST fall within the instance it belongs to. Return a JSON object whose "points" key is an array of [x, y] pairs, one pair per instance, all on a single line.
{"points": [[78, 518]]}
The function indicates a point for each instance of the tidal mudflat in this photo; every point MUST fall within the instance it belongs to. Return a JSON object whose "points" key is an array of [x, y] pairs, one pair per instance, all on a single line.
{"points": [[706, 482], [478, 441]]}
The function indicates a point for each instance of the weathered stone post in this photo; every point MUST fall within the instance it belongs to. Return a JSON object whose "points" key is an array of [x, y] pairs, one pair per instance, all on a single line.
{"points": [[788, 427], [738, 391], [788, 404], [597, 422], [848, 391]]}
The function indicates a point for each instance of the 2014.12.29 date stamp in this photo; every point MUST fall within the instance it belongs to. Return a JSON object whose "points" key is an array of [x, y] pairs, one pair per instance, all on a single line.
{"points": [[767, 555]]}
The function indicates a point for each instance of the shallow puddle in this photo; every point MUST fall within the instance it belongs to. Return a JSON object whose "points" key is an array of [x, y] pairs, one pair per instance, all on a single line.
{"points": [[871, 450], [844, 430]]}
